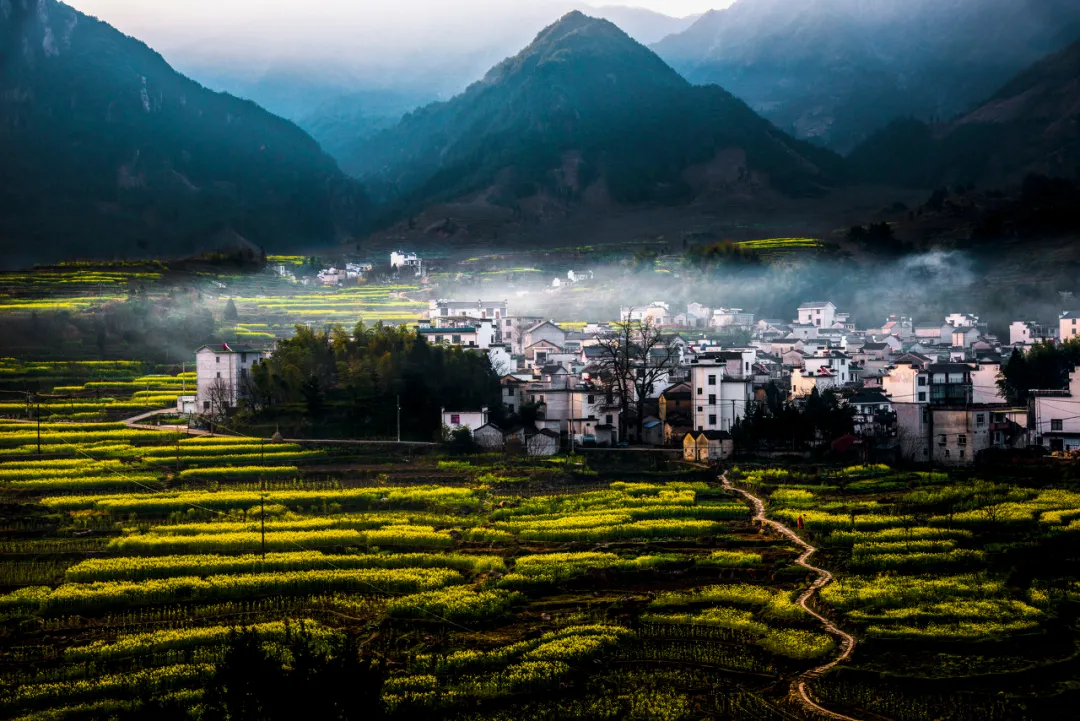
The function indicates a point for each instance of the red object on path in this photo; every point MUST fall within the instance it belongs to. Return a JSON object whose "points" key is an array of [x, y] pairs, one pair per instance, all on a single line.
{"points": [[800, 523]]}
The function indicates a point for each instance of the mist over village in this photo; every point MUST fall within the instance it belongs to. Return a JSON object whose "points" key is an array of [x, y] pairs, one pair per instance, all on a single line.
{"points": [[544, 359]]}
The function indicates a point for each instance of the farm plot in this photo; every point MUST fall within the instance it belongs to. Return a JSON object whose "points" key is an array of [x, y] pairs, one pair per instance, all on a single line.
{"points": [[493, 581]]}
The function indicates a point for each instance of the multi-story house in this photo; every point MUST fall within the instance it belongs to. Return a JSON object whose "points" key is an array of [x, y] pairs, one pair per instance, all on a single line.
{"points": [[1027, 332], [483, 309], [722, 389], [1055, 416], [222, 373], [1069, 325], [821, 314]]}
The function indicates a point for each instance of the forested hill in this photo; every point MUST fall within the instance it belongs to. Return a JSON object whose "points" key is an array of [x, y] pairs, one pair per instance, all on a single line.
{"points": [[1030, 125], [837, 70], [585, 111], [108, 151]]}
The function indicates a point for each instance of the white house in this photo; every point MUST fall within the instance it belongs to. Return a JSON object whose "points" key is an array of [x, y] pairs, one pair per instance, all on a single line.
{"points": [[964, 336], [837, 362], [984, 380], [821, 314], [1069, 325], [501, 360], [722, 389], [962, 320], [407, 261], [479, 334], [1027, 332], [544, 331], [731, 317], [332, 276], [805, 381], [471, 420], [490, 309], [1056, 420], [220, 375], [907, 381]]}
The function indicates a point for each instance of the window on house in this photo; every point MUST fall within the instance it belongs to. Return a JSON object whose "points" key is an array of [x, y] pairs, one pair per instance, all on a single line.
{"points": [[961, 453], [962, 440], [219, 374], [592, 416], [455, 419], [206, 405], [922, 397], [1056, 424], [980, 419], [700, 391], [243, 357], [941, 439], [922, 380], [456, 339], [946, 452], [507, 322], [700, 409], [712, 400], [217, 359], [592, 399], [712, 420], [509, 392], [712, 381], [609, 419]]}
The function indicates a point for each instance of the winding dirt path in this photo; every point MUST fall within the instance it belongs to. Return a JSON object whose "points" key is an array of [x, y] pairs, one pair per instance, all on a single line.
{"points": [[824, 578]]}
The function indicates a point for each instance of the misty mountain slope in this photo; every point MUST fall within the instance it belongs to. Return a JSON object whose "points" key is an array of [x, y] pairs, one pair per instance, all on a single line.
{"points": [[107, 150], [836, 70], [585, 106], [1031, 125]]}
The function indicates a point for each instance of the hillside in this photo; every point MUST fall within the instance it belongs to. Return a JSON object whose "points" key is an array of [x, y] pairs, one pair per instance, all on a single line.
{"points": [[837, 70], [586, 114], [1030, 125], [109, 152]]}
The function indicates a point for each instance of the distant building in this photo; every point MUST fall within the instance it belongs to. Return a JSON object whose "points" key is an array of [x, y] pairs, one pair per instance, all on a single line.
{"points": [[491, 309], [1069, 325], [221, 375], [1026, 332], [1055, 416], [471, 420], [820, 314], [722, 387], [402, 261]]}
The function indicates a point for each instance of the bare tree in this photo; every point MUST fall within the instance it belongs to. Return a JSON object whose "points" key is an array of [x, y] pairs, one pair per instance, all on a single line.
{"points": [[634, 356], [220, 396]]}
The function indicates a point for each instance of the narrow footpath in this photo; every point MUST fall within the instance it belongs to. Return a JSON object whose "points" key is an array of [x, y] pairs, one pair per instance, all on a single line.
{"points": [[824, 578]]}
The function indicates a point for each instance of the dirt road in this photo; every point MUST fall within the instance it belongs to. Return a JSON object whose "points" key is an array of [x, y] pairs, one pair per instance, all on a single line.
{"points": [[824, 578]]}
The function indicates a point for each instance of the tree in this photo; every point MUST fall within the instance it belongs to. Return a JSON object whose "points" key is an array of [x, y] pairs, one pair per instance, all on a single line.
{"points": [[634, 356], [230, 313], [304, 677], [1045, 367], [220, 397]]}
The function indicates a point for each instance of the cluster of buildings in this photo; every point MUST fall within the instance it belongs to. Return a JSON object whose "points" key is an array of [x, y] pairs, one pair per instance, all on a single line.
{"points": [[923, 392]]}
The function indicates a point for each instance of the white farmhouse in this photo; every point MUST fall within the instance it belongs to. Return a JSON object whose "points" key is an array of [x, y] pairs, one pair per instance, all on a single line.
{"points": [[821, 314], [1057, 416], [1027, 332], [221, 372], [1069, 325], [400, 260], [722, 389], [470, 420]]}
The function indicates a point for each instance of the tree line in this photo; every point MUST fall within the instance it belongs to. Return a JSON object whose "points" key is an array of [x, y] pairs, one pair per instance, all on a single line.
{"points": [[352, 383]]}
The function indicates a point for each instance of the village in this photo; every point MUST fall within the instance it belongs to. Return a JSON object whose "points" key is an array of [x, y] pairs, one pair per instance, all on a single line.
{"points": [[916, 392]]}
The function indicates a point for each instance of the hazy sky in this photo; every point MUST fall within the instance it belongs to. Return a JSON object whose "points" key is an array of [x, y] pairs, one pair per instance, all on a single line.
{"points": [[443, 43]]}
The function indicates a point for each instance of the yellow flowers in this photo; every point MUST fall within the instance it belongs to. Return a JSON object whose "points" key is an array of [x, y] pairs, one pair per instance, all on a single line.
{"points": [[457, 603], [141, 568], [151, 544], [104, 595]]}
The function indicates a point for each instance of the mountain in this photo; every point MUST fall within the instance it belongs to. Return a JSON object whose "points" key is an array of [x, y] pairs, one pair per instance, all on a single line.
{"points": [[586, 112], [836, 70], [292, 59], [1030, 125], [339, 123], [108, 151]]}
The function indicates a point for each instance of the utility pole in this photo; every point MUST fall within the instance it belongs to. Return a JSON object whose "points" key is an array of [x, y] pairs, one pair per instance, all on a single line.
{"points": [[399, 418], [262, 513]]}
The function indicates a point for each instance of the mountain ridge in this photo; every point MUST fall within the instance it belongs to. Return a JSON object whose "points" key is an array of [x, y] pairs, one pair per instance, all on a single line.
{"points": [[583, 87], [112, 146], [836, 70]]}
